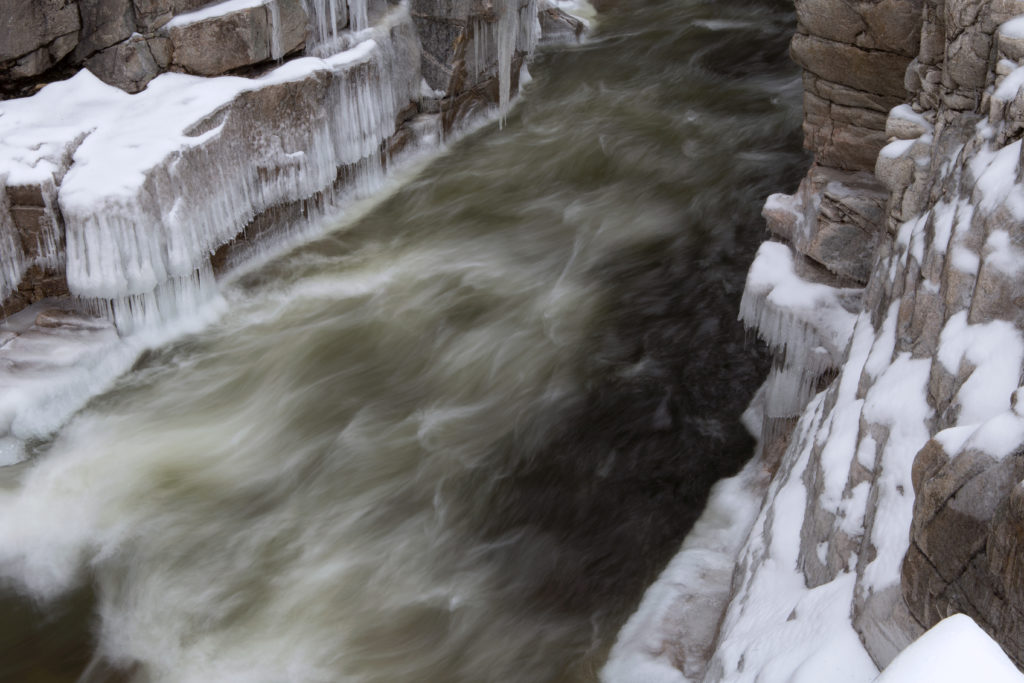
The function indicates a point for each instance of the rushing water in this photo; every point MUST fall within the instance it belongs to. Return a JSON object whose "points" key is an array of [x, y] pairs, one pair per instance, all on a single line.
{"points": [[452, 440]]}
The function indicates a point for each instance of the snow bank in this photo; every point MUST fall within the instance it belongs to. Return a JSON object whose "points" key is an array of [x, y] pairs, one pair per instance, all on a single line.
{"points": [[955, 650], [670, 636]]}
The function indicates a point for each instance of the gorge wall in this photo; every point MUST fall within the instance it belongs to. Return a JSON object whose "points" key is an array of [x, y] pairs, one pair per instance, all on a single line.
{"points": [[192, 119], [887, 495], [165, 143]]}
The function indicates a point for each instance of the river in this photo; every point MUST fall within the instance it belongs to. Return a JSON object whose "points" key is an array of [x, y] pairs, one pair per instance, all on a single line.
{"points": [[452, 439]]}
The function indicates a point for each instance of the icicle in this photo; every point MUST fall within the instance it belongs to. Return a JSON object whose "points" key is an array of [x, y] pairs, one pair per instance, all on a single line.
{"points": [[12, 259], [357, 15], [805, 323], [529, 28], [334, 21], [508, 31], [50, 253], [177, 298], [139, 248], [274, 16], [323, 26]]}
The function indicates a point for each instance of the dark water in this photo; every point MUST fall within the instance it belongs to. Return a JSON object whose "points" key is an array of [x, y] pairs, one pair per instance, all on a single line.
{"points": [[455, 439]]}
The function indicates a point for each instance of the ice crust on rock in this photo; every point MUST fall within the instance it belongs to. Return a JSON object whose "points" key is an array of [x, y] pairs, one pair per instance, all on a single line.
{"points": [[847, 563], [12, 257], [669, 636], [160, 179], [937, 353], [517, 28], [807, 324]]}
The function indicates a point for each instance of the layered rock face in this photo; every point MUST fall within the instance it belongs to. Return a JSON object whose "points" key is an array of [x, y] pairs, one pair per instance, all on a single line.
{"points": [[889, 478], [260, 118], [893, 286], [119, 198], [127, 43]]}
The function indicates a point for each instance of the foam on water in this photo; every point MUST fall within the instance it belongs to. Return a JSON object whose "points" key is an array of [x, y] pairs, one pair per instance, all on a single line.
{"points": [[453, 439]]}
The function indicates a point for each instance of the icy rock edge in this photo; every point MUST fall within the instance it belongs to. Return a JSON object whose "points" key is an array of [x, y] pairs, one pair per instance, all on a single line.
{"points": [[126, 207], [891, 459]]}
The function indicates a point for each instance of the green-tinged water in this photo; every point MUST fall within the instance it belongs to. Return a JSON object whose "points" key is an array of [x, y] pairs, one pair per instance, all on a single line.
{"points": [[455, 439]]}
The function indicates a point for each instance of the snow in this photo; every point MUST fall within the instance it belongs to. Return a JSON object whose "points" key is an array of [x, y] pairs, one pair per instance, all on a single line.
{"points": [[996, 180], [39, 133], [964, 260], [995, 351], [1001, 253], [777, 629], [952, 439], [216, 10], [998, 437], [955, 650], [1014, 28], [1010, 85], [906, 113], [157, 182], [682, 608], [896, 400], [896, 149], [943, 215]]}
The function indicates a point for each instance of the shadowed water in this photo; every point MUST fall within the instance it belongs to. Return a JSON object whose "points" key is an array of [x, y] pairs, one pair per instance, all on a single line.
{"points": [[454, 439]]}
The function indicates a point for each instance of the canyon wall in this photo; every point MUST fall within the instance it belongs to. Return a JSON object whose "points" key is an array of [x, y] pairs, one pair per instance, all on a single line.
{"points": [[126, 184], [886, 495], [891, 293], [122, 201]]}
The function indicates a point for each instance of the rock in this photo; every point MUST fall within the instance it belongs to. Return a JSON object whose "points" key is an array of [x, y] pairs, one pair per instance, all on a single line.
{"points": [[934, 234], [1010, 43], [56, 318], [104, 23], [841, 94], [291, 24], [152, 14], [28, 25], [892, 25], [833, 20], [558, 27], [875, 72], [218, 44], [971, 557], [213, 44], [128, 65]]}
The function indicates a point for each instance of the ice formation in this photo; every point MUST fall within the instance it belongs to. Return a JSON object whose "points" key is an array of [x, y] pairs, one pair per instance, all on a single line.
{"points": [[808, 325], [357, 14], [12, 258], [516, 28], [323, 26], [160, 179]]}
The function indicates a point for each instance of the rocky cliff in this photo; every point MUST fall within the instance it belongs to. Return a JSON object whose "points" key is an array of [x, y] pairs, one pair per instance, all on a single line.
{"points": [[243, 107], [887, 493], [166, 142]]}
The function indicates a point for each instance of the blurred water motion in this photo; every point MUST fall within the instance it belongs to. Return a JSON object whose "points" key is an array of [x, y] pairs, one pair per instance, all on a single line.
{"points": [[451, 441]]}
